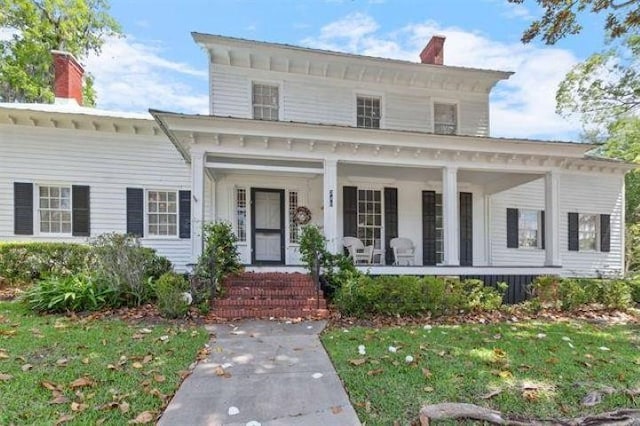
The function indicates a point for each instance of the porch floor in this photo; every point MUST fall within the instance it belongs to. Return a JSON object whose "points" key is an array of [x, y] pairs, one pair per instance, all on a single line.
{"points": [[424, 270]]}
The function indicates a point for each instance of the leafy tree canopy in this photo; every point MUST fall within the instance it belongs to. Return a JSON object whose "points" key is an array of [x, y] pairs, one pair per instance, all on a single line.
{"points": [[560, 18], [39, 26]]}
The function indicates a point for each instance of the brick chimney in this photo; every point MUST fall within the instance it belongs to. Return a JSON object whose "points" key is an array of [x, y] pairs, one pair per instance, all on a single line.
{"points": [[67, 83], [433, 52]]}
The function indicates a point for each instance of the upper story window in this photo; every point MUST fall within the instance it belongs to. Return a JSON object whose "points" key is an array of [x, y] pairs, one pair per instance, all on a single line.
{"points": [[368, 112], [162, 213], [55, 209], [445, 119], [265, 100]]}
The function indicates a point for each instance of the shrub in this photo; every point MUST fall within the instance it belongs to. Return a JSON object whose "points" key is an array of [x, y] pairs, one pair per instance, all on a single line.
{"points": [[170, 289], [617, 295], [573, 293], [154, 264], [312, 247], [70, 293], [25, 263], [545, 289], [634, 284], [220, 255], [409, 296], [120, 264]]}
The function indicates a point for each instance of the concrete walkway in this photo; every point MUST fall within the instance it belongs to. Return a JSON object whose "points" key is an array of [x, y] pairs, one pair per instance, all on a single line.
{"points": [[278, 374]]}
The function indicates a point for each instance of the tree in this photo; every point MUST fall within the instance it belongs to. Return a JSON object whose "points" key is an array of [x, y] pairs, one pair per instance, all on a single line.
{"points": [[560, 18], [39, 26]]}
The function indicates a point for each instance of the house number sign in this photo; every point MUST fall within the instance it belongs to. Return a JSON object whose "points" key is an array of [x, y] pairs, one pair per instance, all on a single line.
{"points": [[331, 198]]}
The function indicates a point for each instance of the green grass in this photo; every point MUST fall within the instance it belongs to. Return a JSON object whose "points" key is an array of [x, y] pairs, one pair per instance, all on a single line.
{"points": [[111, 353], [537, 377]]}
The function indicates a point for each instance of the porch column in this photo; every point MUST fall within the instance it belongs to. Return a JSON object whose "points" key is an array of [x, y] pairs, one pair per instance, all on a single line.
{"points": [[330, 198], [450, 216], [197, 201], [552, 220]]}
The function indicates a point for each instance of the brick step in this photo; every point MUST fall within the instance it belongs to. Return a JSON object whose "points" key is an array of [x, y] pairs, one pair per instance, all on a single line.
{"points": [[233, 313], [270, 292], [310, 303], [268, 283]]}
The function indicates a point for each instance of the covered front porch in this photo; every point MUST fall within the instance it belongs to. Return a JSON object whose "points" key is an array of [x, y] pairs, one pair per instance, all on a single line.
{"points": [[451, 196]]}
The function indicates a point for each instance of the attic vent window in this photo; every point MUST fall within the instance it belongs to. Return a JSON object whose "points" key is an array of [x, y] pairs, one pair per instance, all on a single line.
{"points": [[265, 102], [445, 119], [368, 112]]}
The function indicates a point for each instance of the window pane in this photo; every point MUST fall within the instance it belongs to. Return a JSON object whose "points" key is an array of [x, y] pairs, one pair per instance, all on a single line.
{"points": [[241, 214], [445, 119], [368, 112], [369, 216]]}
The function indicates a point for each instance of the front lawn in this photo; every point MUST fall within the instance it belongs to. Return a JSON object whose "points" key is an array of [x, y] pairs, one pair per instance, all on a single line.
{"points": [[530, 369], [89, 371]]}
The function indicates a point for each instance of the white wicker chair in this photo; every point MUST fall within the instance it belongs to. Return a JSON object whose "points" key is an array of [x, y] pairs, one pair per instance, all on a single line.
{"points": [[357, 250], [404, 253]]}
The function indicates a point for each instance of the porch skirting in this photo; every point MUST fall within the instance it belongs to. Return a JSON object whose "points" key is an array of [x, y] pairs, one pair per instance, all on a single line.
{"points": [[427, 270]]}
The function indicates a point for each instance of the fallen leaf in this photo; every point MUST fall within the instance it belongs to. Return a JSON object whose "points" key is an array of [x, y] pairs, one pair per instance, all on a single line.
{"points": [[78, 407], [233, 411], [336, 409], [124, 407], [63, 419], [426, 373], [136, 365], [428, 389], [60, 399], [49, 385], [592, 398], [147, 359], [137, 336], [505, 374], [26, 367], [158, 378], [499, 353], [3, 355], [530, 395], [145, 331], [81, 382], [142, 418], [8, 332], [357, 361], [375, 372], [5, 377], [62, 362], [219, 371], [85, 360], [163, 338]]}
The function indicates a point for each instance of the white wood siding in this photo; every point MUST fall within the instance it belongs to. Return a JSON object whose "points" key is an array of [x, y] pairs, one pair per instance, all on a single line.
{"points": [[313, 99], [107, 162], [597, 194]]}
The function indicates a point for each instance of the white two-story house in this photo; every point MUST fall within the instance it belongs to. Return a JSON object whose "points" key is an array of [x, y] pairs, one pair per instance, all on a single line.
{"points": [[369, 148]]}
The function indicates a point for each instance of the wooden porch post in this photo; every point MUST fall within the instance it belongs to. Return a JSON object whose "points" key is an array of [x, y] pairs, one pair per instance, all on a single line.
{"points": [[330, 197], [197, 201], [450, 216], [552, 220]]}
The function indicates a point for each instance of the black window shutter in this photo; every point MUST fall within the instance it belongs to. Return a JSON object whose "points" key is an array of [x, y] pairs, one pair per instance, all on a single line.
{"points": [[80, 211], [22, 208], [185, 214], [573, 232], [349, 211], [466, 229], [390, 221], [543, 230], [512, 228], [135, 211], [605, 232], [429, 228]]}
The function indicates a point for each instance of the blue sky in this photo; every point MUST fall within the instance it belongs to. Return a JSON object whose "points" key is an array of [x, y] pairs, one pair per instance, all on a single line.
{"points": [[157, 64]]}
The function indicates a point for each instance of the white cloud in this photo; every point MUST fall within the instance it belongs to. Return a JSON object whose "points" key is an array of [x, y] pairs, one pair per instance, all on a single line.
{"points": [[523, 106], [133, 76]]}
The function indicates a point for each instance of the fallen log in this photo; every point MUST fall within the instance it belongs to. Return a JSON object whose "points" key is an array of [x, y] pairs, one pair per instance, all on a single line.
{"points": [[463, 411]]}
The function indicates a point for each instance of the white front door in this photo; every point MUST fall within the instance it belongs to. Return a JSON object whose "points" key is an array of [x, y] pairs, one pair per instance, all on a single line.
{"points": [[268, 226]]}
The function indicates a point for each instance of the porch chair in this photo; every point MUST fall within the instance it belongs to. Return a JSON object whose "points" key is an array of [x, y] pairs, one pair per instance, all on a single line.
{"points": [[404, 253], [357, 250]]}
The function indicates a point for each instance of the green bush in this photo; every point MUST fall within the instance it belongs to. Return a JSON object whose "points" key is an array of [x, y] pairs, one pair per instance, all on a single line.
{"points": [[69, 293], [121, 264], [363, 295], [634, 284], [220, 255], [25, 263], [170, 289], [573, 293], [154, 264]]}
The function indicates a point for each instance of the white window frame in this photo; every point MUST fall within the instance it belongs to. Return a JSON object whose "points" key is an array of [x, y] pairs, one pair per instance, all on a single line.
{"points": [[36, 210], [596, 247], [271, 83], [369, 94], [246, 214], [539, 229], [443, 101], [147, 233], [381, 226], [291, 224]]}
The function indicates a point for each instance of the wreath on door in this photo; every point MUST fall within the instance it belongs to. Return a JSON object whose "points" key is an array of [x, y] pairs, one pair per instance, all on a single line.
{"points": [[302, 216]]}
